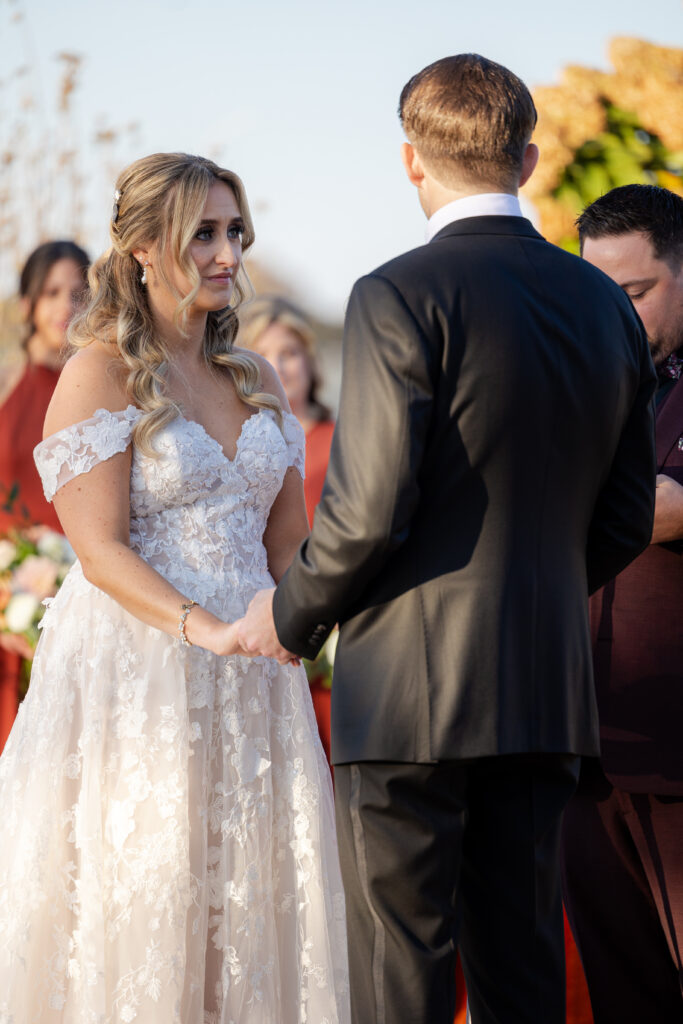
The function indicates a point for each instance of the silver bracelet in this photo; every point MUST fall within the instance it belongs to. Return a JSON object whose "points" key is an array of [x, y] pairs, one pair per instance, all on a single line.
{"points": [[186, 609]]}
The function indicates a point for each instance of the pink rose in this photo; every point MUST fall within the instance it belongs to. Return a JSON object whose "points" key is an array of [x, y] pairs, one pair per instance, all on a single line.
{"points": [[36, 575]]}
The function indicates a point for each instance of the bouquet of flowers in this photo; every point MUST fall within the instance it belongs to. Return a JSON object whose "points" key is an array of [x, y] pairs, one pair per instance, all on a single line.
{"points": [[33, 563]]}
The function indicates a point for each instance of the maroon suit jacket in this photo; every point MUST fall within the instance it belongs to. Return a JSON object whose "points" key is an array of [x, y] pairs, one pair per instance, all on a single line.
{"points": [[637, 630]]}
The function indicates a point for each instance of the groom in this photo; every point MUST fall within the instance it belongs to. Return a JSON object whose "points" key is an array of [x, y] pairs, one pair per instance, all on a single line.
{"points": [[492, 463]]}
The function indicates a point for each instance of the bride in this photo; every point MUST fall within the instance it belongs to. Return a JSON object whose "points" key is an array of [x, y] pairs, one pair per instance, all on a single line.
{"points": [[167, 850]]}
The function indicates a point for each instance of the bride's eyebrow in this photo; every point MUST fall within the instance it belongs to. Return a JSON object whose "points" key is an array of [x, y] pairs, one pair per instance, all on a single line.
{"points": [[209, 223]]}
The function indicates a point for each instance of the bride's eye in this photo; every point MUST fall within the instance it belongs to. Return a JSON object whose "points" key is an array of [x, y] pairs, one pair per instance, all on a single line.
{"points": [[236, 231], [204, 234]]}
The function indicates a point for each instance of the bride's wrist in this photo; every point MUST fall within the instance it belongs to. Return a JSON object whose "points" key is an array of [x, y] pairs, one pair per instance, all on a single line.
{"points": [[197, 627]]}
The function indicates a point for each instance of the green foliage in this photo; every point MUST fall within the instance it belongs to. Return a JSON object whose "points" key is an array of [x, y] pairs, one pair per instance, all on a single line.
{"points": [[623, 154], [24, 548], [320, 670], [12, 493]]}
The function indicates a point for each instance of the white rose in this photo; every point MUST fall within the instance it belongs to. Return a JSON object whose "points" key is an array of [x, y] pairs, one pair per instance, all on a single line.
{"points": [[20, 612], [52, 545], [8, 552], [331, 646]]}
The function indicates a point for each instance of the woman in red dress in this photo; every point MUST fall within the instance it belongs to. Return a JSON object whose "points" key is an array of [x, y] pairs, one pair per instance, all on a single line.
{"points": [[280, 332], [51, 287]]}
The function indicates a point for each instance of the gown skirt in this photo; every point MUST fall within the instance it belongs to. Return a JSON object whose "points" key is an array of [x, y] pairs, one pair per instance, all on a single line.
{"points": [[168, 848]]}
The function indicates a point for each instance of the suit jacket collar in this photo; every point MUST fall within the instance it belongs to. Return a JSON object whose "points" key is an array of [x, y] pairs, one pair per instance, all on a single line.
{"points": [[488, 225]]}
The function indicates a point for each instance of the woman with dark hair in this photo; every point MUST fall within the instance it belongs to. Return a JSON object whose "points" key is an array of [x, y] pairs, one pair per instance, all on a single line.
{"points": [[51, 288]]}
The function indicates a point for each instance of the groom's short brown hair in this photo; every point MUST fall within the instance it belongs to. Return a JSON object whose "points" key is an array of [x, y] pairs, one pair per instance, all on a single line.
{"points": [[470, 120]]}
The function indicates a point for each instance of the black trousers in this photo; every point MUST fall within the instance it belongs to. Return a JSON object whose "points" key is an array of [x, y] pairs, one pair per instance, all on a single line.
{"points": [[623, 879], [456, 854]]}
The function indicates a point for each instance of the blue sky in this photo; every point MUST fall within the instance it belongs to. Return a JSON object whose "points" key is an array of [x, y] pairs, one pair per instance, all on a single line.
{"points": [[299, 98]]}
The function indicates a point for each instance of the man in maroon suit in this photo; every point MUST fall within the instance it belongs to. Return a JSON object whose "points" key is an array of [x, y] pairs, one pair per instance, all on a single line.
{"points": [[623, 831]]}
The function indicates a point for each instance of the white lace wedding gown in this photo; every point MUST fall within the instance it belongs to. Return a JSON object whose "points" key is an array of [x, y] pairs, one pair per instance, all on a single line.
{"points": [[167, 844]]}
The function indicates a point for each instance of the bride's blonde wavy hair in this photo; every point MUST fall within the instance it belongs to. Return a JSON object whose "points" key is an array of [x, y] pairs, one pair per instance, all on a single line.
{"points": [[161, 198]]}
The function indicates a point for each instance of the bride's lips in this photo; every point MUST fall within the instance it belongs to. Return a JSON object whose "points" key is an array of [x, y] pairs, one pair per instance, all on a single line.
{"points": [[221, 278]]}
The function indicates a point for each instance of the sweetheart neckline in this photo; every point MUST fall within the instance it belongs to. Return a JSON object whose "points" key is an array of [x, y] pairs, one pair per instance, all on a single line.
{"points": [[215, 441], [186, 419]]}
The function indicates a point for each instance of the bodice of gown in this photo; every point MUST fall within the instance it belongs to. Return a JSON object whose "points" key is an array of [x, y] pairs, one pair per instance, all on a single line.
{"points": [[196, 516]]}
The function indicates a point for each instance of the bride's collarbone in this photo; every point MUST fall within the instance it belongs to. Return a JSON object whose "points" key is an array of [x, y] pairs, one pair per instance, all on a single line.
{"points": [[223, 420], [210, 400]]}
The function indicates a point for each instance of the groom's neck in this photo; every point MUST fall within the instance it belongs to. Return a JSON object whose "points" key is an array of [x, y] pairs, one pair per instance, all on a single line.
{"points": [[434, 195]]}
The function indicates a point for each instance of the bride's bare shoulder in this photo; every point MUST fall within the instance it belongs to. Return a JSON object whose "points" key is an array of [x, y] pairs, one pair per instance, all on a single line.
{"points": [[93, 378]]}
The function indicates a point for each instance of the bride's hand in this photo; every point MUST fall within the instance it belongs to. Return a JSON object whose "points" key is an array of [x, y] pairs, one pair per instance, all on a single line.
{"points": [[224, 640], [293, 660], [204, 629], [221, 637]]}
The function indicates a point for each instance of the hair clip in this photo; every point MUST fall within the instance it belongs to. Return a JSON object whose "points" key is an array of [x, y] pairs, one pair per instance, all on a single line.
{"points": [[115, 210]]}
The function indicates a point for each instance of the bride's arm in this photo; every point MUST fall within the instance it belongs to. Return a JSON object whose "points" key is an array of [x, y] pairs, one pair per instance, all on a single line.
{"points": [[287, 524], [94, 510]]}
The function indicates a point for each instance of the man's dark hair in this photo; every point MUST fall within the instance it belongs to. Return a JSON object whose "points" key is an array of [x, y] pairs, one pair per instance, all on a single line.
{"points": [[470, 119], [654, 211]]}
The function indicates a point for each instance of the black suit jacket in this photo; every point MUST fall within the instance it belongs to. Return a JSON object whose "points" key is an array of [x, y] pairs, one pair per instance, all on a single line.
{"points": [[493, 459]]}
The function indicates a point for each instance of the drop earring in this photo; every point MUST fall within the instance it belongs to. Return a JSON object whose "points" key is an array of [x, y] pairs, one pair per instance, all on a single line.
{"points": [[143, 279]]}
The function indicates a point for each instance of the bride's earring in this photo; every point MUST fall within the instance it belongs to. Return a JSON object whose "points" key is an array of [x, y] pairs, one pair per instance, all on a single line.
{"points": [[143, 279]]}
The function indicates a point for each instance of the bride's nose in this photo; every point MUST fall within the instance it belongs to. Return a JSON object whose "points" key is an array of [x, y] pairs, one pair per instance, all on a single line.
{"points": [[229, 254]]}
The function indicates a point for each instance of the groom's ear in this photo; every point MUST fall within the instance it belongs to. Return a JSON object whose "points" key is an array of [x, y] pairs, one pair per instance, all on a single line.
{"points": [[529, 161], [412, 163]]}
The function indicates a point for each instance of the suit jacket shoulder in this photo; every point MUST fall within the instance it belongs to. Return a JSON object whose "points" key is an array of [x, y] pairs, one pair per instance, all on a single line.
{"points": [[471, 248]]}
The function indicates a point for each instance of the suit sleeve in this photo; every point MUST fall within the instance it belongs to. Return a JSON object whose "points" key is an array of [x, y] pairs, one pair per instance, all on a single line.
{"points": [[372, 484], [621, 527]]}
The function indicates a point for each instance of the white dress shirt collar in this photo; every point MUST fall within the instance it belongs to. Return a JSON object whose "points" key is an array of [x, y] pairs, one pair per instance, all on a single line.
{"points": [[486, 204]]}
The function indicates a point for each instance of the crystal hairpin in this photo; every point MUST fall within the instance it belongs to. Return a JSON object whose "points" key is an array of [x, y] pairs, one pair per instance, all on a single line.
{"points": [[115, 210]]}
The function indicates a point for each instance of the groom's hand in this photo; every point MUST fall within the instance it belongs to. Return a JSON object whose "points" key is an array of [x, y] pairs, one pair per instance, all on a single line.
{"points": [[256, 631]]}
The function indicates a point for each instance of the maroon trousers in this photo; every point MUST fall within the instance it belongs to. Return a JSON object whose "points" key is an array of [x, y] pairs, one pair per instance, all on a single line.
{"points": [[623, 881]]}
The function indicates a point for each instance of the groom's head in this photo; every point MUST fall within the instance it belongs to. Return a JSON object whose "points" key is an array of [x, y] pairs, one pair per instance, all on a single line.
{"points": [[468, 122]]}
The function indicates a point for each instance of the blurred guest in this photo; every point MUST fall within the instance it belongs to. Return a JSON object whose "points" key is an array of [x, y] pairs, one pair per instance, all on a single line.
{"points": [[51, 287], [623, 830], [281, 333]]}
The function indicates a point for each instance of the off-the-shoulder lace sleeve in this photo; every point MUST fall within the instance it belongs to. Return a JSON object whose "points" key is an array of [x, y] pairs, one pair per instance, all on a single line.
{"points": [[76, 449], [294, 435]]}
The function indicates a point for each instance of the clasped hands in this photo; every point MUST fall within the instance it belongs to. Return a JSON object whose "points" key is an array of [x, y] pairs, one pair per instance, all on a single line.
{"points": [[255, 633]]}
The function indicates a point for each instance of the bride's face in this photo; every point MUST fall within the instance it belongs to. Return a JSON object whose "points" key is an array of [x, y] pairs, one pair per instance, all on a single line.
{"points": [[216, 251]]}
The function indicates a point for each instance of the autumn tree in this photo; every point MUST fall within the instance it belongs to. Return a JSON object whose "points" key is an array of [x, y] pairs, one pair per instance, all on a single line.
{"points": [[597, 130]]}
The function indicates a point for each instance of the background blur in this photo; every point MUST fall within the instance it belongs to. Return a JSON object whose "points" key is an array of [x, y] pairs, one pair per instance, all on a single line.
{"points": [[300, 99]]}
